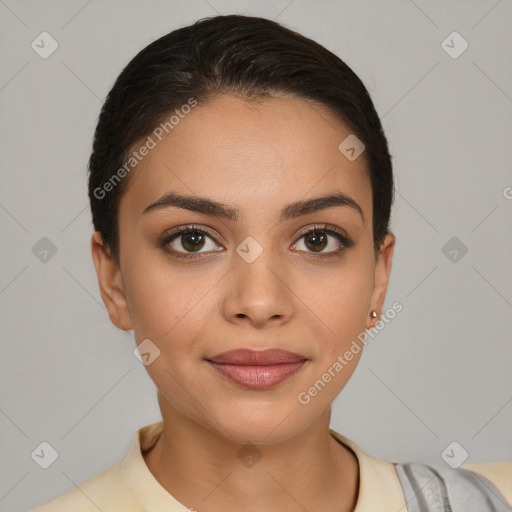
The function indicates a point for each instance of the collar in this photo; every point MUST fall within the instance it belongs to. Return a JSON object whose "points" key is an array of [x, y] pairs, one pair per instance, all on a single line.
{"points": [[379, 486]]}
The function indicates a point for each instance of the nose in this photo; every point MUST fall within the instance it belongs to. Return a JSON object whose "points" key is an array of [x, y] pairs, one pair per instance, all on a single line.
{"points": [[258, 293]]}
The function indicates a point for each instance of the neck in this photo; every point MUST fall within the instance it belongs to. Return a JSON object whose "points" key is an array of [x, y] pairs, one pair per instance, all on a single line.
{"points": [[209, 472]]}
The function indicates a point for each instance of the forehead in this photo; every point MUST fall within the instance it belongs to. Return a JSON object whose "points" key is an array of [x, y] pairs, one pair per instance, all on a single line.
{"points": [[249, 153]]}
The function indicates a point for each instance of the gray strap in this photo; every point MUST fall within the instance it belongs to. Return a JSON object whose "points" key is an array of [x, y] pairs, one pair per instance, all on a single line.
{"points": [[442, 489]]}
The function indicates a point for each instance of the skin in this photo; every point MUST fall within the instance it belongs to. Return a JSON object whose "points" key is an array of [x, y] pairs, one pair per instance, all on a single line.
{"points": [[248, 154]]}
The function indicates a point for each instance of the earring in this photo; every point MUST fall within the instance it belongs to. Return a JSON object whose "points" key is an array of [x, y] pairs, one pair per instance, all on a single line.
{"points": [[374, 314]]}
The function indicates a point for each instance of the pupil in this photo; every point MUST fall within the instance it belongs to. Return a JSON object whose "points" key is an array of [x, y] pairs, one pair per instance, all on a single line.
{"points": [[319, 244], [192, 241]]}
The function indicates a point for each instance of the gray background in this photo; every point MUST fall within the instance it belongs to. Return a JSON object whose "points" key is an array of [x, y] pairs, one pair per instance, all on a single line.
{"points": [[439, 372]]}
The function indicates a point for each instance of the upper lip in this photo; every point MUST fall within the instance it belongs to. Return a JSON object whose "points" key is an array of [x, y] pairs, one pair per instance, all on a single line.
{"points": [[245, 356]]}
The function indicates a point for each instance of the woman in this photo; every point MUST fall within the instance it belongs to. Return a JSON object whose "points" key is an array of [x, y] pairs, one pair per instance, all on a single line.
{"points": [[241, 189]]}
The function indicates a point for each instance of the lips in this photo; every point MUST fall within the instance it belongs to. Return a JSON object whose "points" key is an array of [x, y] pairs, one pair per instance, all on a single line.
{"points": [[267, 357], [257, 369]]}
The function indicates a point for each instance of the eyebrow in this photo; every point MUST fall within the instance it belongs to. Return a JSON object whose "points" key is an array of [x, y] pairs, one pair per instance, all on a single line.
{"points": [[215, 208]]}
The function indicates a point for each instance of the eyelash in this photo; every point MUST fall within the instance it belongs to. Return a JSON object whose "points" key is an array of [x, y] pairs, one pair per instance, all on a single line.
{"points": [[193, 228]]}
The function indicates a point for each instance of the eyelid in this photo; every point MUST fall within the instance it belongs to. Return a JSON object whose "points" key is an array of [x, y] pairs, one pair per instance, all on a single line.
{"points": [[192, 227], [324, 227]]}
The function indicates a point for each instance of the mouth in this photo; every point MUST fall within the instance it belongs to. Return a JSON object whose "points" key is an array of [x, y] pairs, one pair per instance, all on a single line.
{"points": [[257, 369]]}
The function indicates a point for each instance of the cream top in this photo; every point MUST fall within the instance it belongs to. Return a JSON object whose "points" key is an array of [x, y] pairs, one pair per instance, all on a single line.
{"points": [[129, 486]]}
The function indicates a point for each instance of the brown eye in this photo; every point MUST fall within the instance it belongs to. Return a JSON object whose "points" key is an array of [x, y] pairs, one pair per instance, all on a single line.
{"points": [[323, 241], [189, 242], [316, 241], [192, 240]]}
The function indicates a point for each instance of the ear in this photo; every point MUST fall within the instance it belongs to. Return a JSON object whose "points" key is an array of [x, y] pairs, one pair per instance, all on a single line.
{"points": [[111, 284], [382, 273]]}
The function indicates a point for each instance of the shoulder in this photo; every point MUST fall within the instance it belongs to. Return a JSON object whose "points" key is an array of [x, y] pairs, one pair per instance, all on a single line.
{"points": [[499, 473], [118, 488], [104, 491], [471, 487]]}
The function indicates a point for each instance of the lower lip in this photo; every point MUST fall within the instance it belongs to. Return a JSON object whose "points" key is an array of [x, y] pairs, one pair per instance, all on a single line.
{"points": [[258, 377]]}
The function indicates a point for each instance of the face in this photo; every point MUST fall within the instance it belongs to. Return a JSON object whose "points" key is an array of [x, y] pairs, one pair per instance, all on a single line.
{"points": [[257, 278]]}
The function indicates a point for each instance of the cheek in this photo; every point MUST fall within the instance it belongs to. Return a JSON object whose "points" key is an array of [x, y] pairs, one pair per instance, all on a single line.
{"points": [[168, 302], [337, 298], [156, 297]]}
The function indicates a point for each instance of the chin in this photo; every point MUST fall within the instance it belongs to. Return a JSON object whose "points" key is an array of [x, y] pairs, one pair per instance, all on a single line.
{"points": [[262, 423]]}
